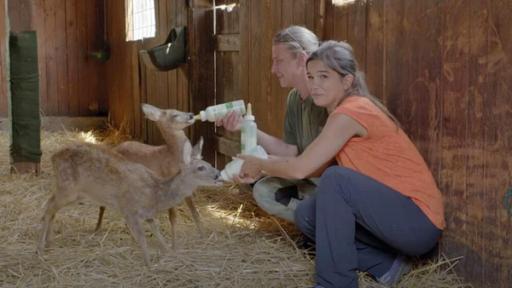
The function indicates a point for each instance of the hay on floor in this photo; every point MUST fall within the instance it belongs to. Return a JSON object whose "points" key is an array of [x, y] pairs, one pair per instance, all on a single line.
{"points": [[243, 246]]}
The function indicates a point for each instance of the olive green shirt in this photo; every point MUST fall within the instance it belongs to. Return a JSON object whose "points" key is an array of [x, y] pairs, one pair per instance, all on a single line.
{"points": [[303, 121]]}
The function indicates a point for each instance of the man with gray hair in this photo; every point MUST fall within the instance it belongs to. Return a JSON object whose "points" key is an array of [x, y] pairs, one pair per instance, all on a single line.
{"points": [[304, 120]]}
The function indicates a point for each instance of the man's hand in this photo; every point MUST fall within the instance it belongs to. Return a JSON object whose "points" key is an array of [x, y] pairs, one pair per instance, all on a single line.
{"points": [[231, 122]]}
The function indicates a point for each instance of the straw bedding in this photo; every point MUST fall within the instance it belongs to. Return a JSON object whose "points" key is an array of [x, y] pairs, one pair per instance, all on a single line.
{"points": [[243, 247]]}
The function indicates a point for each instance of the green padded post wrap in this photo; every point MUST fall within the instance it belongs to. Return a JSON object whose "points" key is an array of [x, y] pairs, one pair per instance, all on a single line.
{"points": [[24, 104]]}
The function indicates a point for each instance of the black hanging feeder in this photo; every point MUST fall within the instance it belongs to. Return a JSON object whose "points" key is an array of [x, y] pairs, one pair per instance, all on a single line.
{"points": [[169, 55]]}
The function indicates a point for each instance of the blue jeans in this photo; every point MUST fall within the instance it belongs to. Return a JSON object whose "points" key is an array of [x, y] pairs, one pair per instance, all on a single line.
{"points": [[360, 224]]}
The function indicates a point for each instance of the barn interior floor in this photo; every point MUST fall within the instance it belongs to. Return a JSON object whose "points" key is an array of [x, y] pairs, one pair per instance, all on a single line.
{"points": [[242, 246]]}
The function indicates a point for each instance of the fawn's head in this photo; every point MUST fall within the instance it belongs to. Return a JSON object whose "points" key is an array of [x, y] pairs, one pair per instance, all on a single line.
{"points": [[195, 169], [177, 119]]}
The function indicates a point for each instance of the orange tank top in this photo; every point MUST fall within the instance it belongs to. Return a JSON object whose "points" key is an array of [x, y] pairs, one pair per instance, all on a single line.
{"points": [[388, 155]]}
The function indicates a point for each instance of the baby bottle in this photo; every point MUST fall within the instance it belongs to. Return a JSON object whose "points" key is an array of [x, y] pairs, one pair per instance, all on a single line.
{"points": [[216, 112], [249, 135]]}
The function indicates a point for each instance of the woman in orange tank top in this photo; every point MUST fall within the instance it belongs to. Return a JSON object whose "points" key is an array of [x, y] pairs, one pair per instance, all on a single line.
{"points": [[380, 204]]}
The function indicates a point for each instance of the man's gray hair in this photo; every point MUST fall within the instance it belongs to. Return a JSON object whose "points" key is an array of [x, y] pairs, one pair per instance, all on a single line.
{"points": [[297, 39]]}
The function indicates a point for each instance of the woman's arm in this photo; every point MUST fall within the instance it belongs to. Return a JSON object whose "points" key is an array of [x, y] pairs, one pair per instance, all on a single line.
{"points": [[276, 146], [336, 132]]}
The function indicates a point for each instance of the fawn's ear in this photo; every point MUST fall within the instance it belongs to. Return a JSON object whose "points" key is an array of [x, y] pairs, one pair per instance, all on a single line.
{"points": [[187, 152], [152, 113], [198, 148]]}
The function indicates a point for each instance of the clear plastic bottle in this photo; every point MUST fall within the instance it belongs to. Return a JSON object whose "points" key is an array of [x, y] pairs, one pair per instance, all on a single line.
{"points": [[249, 136], [214, 113]]}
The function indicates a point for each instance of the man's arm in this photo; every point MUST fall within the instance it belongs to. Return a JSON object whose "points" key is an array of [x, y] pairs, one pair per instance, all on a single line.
{"points": [[273, 145]]}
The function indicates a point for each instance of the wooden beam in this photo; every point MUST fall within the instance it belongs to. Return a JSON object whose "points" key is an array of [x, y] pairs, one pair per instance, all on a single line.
{"points": [[20, 15], [227, 42], [203, 4], [4, 41], [227, 146], [201, 51]]}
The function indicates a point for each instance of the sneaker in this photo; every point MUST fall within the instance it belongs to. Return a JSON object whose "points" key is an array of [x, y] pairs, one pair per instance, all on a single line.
{"points": [[399, 268], [285, 194]]}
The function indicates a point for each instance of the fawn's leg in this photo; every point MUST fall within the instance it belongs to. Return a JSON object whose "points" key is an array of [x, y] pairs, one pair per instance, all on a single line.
{"points": [[137, 232], [195, 215], [54, 204], [155, 228], [100, 217], [172, 219]]}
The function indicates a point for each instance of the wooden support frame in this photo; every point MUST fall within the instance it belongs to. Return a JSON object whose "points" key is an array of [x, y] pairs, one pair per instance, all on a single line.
{"points": [[4, 70], [227, 42], [202, 72]]}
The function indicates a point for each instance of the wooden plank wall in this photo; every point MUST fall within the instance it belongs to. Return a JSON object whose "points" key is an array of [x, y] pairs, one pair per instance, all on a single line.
{"points": [[3, 58], [122, 72], [17, 18], [259, 21], [20, 15], [71, 83], [442, 67], [130, 83], [202, 69], [243, 69], [227, 68], [444, 70]]}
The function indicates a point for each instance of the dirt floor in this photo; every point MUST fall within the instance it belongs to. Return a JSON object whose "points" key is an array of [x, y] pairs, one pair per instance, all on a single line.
{"points": [[243, 247]]}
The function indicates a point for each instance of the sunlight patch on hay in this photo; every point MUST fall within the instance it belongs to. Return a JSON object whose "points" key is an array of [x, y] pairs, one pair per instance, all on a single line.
{"points": [[231, 217], [88, 137]]}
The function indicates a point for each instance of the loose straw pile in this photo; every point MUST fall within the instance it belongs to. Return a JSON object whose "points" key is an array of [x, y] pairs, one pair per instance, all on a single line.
{"points": [[243, 246]]}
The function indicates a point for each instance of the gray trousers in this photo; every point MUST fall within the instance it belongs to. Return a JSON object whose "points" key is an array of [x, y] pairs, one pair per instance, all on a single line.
{"points": [[264, 192], [360, 224]]}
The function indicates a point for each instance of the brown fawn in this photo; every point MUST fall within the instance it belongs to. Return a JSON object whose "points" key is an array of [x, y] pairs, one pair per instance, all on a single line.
{"points": [[107, 178], [163, 160]]}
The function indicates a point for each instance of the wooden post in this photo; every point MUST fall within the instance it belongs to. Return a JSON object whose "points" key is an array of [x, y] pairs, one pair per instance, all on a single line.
{"points": [[4, 42], [19, 18], [201, 47], [20, 15]]}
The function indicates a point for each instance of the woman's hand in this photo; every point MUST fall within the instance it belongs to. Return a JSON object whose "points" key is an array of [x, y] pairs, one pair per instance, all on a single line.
{"points": [[246, 180], [231, 122], [251, 169]]}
